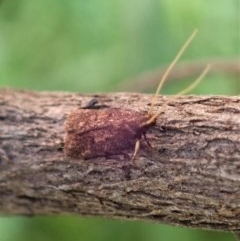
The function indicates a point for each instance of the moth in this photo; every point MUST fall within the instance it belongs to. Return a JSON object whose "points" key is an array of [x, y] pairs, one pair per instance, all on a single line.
{"points": [[92, 133]]}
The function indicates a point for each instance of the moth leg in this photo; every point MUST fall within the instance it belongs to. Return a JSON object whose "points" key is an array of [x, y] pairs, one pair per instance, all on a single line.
{"points": [[145, 138], [136, 149]]}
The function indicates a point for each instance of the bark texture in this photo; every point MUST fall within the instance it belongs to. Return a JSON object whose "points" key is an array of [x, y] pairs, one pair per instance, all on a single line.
{"points": [[190, 176]]}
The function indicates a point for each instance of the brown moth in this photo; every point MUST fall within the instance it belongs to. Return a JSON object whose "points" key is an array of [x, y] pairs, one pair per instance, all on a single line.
{"points": [[92, 133]]}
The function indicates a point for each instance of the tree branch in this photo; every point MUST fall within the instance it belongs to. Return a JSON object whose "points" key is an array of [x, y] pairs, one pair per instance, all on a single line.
{"points": [[190, 176], [183, 70]]}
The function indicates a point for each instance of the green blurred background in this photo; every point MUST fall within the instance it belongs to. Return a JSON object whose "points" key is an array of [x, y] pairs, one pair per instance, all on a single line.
{"points": [[93, 46]]}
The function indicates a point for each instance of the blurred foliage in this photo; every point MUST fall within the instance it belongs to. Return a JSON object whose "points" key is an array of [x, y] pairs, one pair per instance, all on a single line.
{"points": [[98, 229], [90, 46]]}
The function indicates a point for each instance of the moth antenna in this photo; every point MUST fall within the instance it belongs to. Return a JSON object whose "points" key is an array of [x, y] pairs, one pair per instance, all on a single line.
{"points": [[185, 91], [195, 83], [168, 70]]}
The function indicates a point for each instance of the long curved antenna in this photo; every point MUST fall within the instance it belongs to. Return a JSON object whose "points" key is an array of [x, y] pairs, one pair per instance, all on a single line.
{"points": [[188, 89], [164, 77], [195, 83]]}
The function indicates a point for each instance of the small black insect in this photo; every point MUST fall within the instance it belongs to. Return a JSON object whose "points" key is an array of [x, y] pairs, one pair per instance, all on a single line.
{"points": [[92, 133]]}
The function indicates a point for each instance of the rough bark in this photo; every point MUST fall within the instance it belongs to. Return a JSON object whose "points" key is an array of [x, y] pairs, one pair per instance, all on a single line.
{"points": [[190, 176]]}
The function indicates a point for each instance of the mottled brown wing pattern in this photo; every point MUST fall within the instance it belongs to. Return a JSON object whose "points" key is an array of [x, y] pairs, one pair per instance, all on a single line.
{"points": [[95, 133]]}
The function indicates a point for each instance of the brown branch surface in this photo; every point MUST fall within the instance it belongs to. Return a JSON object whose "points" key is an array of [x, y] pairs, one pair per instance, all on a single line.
{"points": [[190, 176]]}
